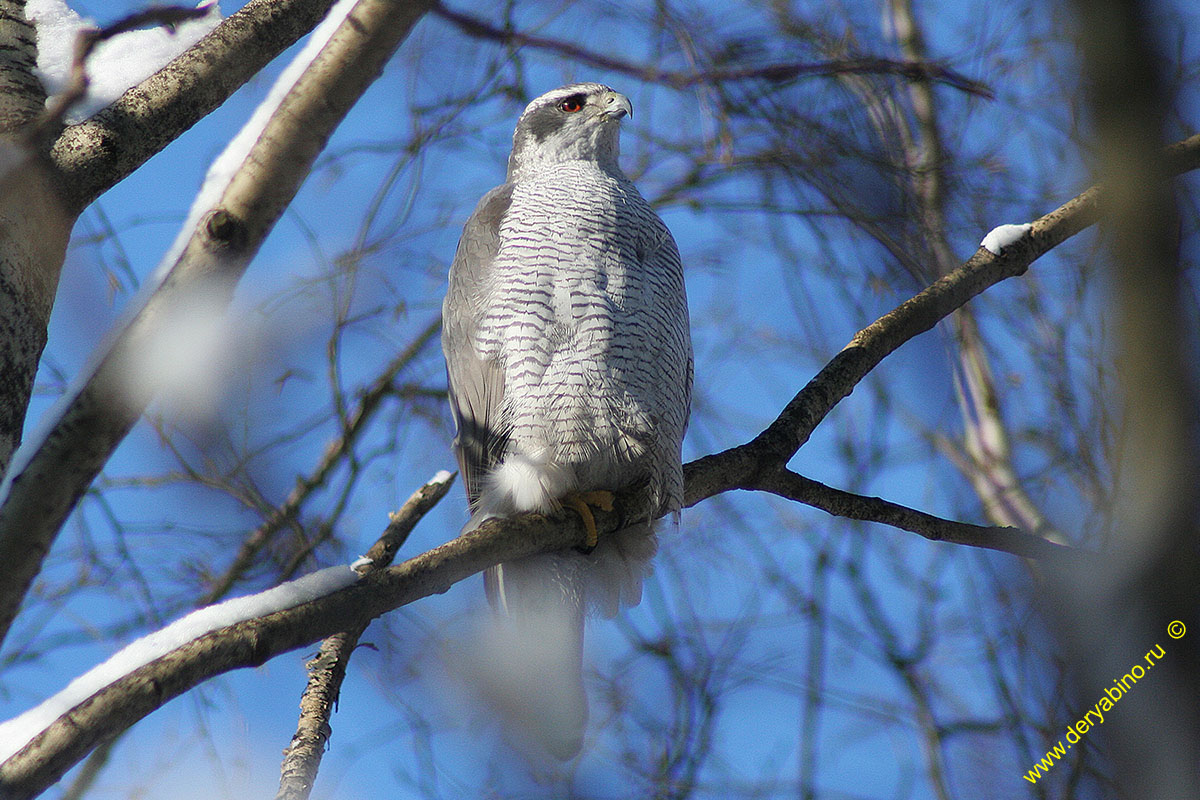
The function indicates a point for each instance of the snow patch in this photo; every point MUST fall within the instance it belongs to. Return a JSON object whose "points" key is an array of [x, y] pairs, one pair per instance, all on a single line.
{"points": [[1004, 236], [115, 64]]}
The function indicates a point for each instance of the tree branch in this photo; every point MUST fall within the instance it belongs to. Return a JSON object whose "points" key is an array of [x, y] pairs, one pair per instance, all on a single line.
{"points": [[988, 458], [839, 503], [773, 448], [369, 401], [327, 670], [773, 73], [251, 643], [22, 96], [34, 226], [98, 153], [85, 42], [46, 486]]}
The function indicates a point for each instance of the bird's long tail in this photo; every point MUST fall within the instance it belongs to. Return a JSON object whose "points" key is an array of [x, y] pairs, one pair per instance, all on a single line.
{"points": [[541, 603], [540, 616]]}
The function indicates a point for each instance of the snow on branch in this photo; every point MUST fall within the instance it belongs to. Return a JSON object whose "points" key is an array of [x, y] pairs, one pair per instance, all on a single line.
{"points": [[756, 465], [17, 732], [1003, 236], [255, 640], [84, 68]]}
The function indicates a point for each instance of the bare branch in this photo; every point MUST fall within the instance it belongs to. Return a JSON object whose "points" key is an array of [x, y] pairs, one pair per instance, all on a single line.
{"points": [[792, 486], [772, 73], [368, 403], [327, 669], [988, 462], [775, 446]]}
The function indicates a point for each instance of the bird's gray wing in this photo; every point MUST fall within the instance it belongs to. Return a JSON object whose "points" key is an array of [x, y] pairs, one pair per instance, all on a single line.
{"points": [[668, 358], [476, 383]]}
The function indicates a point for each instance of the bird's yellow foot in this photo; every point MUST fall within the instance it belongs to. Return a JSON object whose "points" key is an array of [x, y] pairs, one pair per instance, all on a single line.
{"points": [[581, 502]]}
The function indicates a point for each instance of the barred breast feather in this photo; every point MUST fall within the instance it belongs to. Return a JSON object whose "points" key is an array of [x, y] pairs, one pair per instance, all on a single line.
{"points": [[587, 317]]}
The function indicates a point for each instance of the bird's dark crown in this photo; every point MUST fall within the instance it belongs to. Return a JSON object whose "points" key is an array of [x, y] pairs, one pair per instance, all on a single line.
{"points": [[577, 122]]}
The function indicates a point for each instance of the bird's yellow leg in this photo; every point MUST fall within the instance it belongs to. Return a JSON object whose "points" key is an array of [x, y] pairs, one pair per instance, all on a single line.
{"points": [[581, 502]]}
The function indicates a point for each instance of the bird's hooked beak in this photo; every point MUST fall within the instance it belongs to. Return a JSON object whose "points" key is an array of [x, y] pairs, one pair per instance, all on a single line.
{"points": [[615, 104]]}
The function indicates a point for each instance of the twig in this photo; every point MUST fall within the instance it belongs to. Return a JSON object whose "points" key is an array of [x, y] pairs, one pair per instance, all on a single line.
{"points": [[772, 73], [327, 669], [368, 403], [839, 503]]}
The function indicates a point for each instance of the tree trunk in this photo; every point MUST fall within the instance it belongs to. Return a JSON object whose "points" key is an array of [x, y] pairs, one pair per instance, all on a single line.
{"points": [[34, 226]]}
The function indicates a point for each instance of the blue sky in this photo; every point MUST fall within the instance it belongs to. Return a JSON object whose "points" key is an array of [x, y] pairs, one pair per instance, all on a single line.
{"points": [[765, 319]]}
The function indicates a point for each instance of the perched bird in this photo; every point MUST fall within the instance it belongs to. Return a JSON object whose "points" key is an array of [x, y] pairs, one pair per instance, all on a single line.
{"points": [[569, 357]]}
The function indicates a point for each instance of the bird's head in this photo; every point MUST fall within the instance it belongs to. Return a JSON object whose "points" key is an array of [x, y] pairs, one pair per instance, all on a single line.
{"points": [[579, 122]]}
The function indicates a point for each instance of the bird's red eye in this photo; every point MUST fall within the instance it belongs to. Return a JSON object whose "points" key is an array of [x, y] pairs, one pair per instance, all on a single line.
{"points": [[571, 105]]}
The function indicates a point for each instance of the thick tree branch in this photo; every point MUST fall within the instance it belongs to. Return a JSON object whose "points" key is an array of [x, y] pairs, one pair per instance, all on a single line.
{"points": [[95, 155], [327, 669], [34, 226], [45, 487], [253, 642], [22, 96], [85, 42]]}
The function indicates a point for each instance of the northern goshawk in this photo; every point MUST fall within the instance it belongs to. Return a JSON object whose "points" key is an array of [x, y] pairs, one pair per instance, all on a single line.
{"points": [[565, 331]]}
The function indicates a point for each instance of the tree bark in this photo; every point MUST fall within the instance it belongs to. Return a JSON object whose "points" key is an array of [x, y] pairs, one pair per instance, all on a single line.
{"points": [[34, 226]]}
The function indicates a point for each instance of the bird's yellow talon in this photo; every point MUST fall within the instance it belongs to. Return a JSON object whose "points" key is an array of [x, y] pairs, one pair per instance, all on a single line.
{"points": [[580, 501], [599, 498]]}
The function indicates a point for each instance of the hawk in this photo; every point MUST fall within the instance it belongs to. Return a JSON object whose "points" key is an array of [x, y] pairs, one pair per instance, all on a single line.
{"points": [[569, 358]]}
